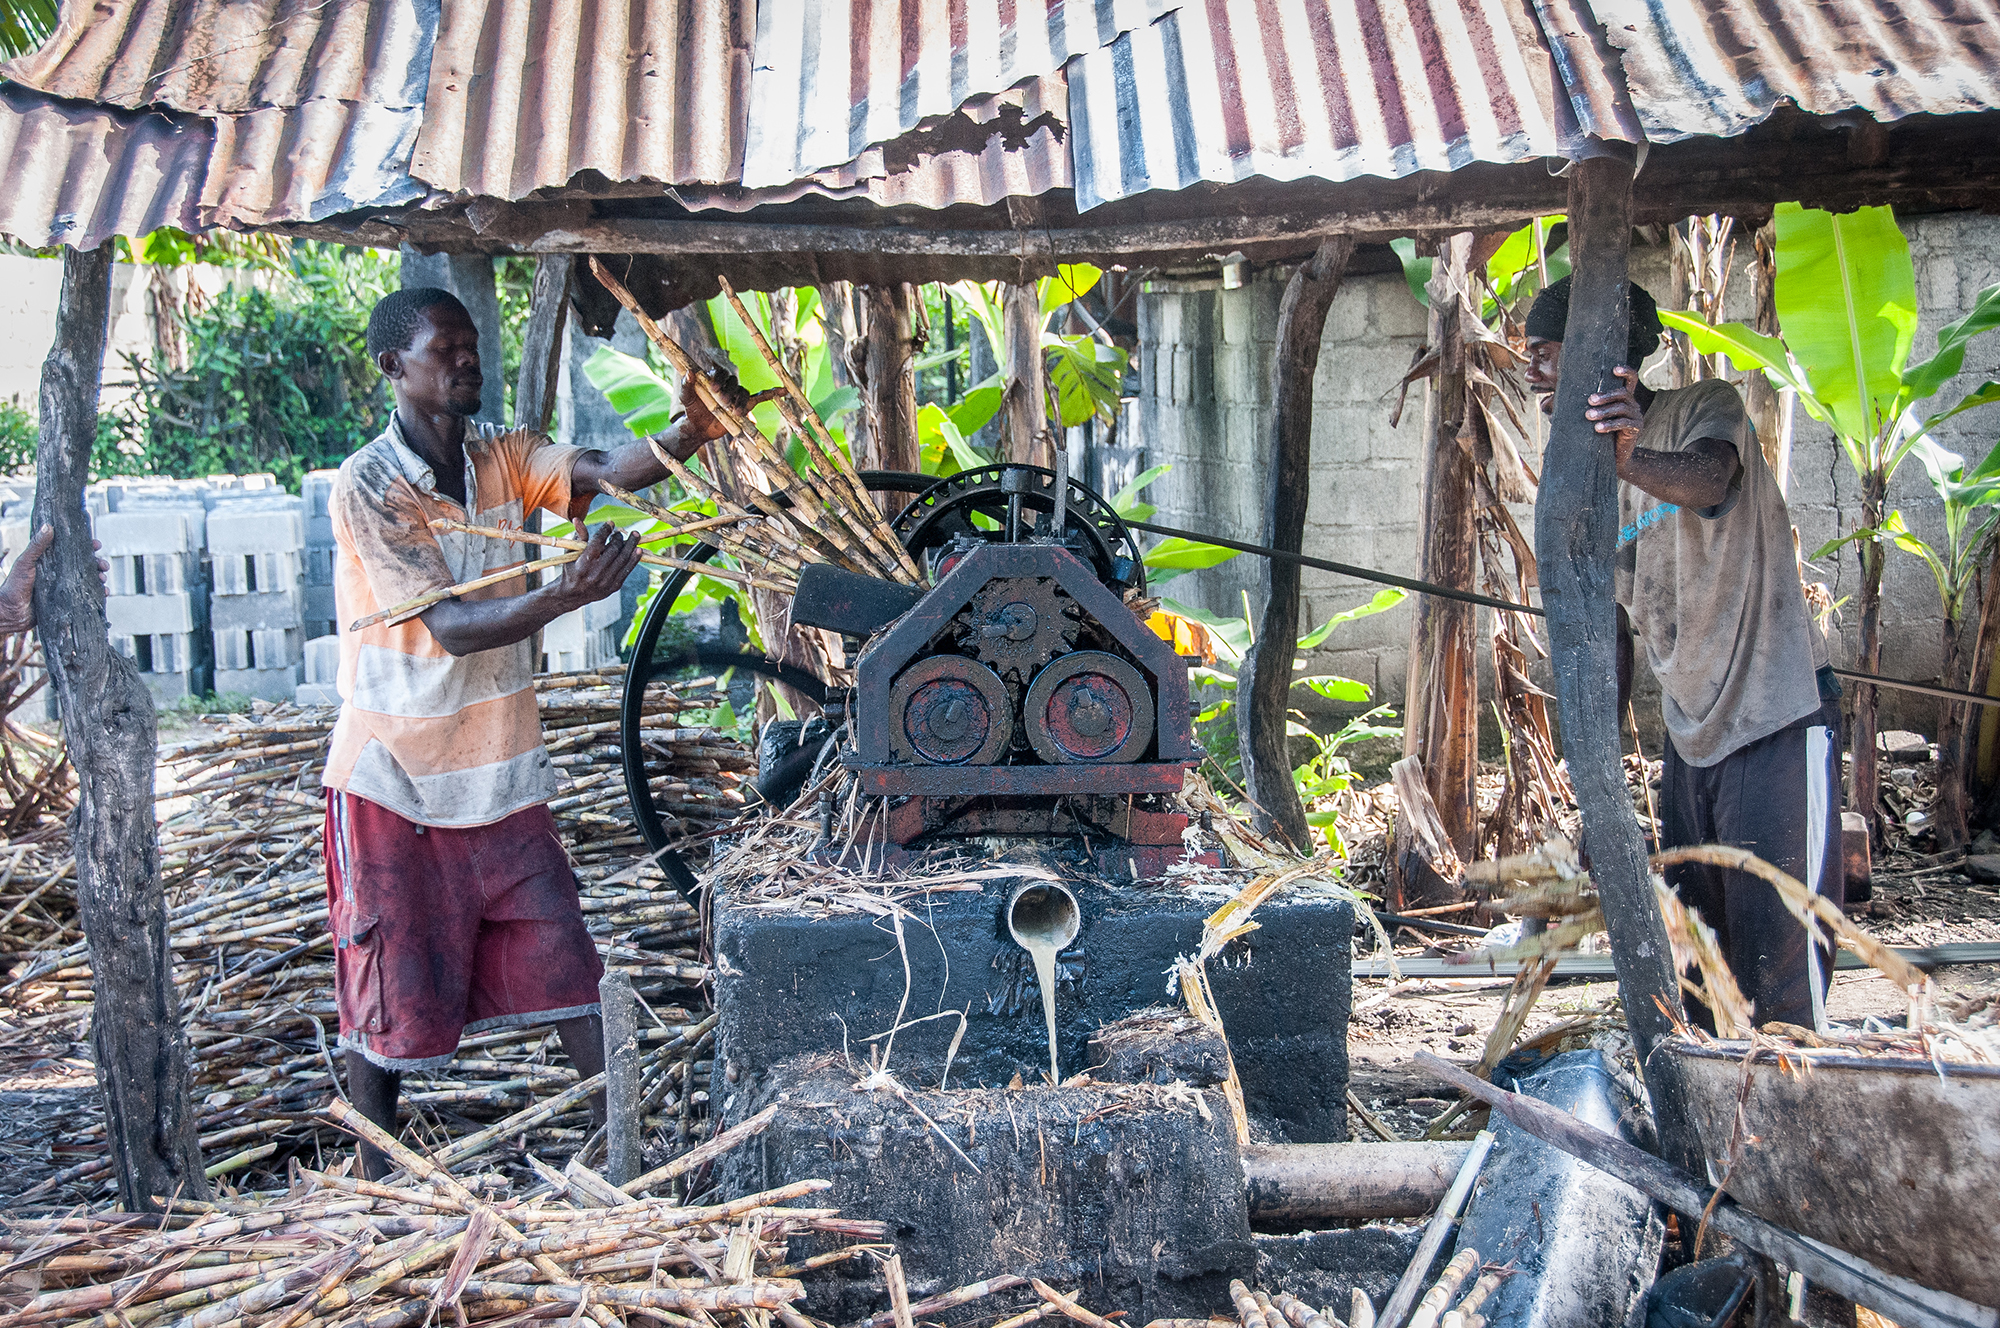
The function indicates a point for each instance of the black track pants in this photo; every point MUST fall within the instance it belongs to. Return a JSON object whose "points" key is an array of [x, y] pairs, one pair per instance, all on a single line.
{"points": [[1779, 798]]}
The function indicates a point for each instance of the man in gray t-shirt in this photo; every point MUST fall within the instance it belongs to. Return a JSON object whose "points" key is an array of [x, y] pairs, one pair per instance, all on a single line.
{"points": [[1708, 575]]}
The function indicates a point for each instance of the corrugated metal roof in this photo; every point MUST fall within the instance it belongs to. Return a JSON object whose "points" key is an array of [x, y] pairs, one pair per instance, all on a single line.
{"points": [[79, 175], [299, 109], [224, 57], [525, 94], [1600, 105], [1011, 145], [836, 77], [1228, 89], [256, 112], [1717, 67], [309, 163]]}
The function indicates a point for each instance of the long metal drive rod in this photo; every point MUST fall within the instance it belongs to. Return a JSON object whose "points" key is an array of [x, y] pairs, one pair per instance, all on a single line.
{"points": [[1472, 597]]}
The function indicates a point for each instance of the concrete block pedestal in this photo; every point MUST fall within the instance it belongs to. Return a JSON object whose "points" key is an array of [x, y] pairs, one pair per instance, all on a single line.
{"points": [[791, 984]]}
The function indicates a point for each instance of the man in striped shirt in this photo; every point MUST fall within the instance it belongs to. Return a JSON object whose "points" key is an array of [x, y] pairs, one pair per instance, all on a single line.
{"points": [[451, 901]]}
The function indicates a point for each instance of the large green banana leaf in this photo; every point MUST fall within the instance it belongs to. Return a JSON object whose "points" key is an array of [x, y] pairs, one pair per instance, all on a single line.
{"points": [[1847, 299]]}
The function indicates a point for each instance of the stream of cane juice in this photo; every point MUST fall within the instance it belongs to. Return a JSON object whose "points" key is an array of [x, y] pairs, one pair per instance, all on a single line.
{"points": [[1044, 952]]}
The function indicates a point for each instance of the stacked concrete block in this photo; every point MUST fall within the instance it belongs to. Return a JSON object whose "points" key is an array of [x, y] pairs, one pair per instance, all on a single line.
{"points": [[320, 618], [156, 605], [256, 551], [322, 672], [583, 639]]}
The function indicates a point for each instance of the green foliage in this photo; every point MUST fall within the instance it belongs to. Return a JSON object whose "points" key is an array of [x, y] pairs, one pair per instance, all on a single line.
{"points": [[1327, 771], [1971, 515], [1525, 262], [20, 433], [277, 378], [1846, 295], [1085, 376], [25, 25]]}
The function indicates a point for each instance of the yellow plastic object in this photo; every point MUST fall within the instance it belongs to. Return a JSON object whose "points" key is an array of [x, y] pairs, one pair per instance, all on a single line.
{"points": [[1188, 637]]}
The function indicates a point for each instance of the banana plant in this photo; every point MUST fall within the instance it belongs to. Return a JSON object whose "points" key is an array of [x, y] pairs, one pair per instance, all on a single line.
{"points": [[1084, 375], [1971, 515], [1847, 300], [1327, 771]]}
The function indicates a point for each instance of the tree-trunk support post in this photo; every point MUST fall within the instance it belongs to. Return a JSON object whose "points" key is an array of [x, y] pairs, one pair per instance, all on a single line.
{"points": [[1024, 414], [1260, 714], [1441, 691], [1576, 528], [889, 392], [108, 725], [621, 1078], [542, 343]]}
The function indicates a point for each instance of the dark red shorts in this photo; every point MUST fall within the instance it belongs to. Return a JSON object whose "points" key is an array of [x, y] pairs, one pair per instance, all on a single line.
{"points": [[442, 931]]}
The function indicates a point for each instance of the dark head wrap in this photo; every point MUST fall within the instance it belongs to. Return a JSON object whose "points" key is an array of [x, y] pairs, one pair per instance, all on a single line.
{"points": [[1549, 316]]}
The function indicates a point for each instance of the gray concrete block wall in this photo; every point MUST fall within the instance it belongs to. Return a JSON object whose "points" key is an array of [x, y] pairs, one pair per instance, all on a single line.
{"points": [[1204, 406]]}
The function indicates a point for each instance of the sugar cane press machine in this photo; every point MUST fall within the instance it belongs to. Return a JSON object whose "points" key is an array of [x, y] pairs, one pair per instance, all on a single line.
{"points": [[1019, 695], [1019, 728]]}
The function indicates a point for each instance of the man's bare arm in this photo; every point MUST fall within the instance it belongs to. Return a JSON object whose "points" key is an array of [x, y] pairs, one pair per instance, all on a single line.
{"points": [[1698, 476], [464, 627]]}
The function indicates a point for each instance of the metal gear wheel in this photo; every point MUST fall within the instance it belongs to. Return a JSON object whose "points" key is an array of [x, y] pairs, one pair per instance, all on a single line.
{"points": [[1017, 624]]}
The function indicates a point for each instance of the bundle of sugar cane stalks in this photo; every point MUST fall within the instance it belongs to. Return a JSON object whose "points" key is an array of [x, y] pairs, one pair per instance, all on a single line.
{"points": [[246, 900], [329, 1250], [772, 518]]}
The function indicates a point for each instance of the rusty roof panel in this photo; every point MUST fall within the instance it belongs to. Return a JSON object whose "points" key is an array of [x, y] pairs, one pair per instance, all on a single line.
{"points": [[227, 57], [79, 175], [308, 163], [525, 94], [1285, 89], [836, 77], [1717, 67], [1599, 103]]}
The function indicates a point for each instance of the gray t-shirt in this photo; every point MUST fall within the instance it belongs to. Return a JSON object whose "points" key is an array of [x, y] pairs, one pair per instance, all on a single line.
{"points": [[1715, 594]]}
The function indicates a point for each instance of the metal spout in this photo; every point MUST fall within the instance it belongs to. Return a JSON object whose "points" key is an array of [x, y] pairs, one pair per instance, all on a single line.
{"points": [[1043, 914]]}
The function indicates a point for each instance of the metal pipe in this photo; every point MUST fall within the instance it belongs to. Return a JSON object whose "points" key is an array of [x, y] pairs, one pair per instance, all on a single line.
{"points": [[1292, 1185]]}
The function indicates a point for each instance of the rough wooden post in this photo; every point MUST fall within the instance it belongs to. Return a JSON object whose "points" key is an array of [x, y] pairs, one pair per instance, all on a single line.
{"points": [[542, 343], [1024, 414], [107, 720], [889, 389], [1441, 692], [1260, 716], [624, 1161], [1576, 527]]}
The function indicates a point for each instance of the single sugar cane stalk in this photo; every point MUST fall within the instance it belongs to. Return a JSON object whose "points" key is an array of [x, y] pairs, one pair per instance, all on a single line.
{"points": [[415, 605], [1360, 1310], [576, 546], [1067, 1306]]}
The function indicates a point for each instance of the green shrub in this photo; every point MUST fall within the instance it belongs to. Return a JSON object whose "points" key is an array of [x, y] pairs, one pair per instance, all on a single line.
{"points": [[277, 376]]}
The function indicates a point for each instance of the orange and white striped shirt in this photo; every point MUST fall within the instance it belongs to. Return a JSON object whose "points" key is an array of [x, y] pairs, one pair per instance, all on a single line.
{"points": [[438, 739]]}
